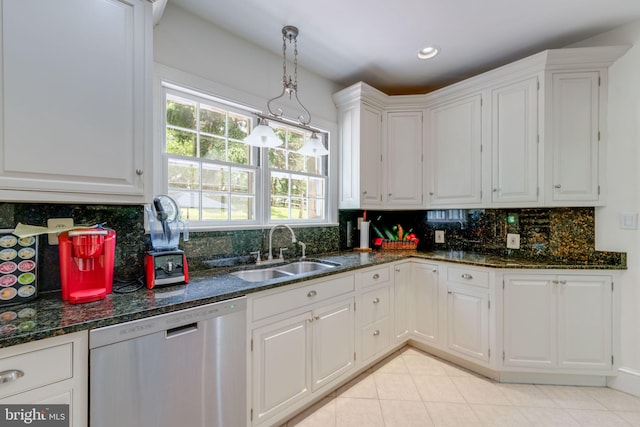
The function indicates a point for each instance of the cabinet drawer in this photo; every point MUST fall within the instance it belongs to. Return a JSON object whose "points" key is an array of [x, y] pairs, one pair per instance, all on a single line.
{"points": [[375, 304], [375, 338], [468, 276], [270, 305], [39, 368], [375, 276]]}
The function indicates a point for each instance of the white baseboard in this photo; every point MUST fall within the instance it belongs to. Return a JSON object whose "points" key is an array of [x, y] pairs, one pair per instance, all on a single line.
{"points": [[627, 381]]}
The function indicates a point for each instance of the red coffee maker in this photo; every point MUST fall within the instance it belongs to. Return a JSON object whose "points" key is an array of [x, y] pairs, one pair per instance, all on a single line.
{"points": [[86, 263]]}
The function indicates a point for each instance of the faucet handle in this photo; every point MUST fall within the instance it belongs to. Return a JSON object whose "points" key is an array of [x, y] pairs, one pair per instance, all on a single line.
{"points": [[257, 254], [282, 250]]}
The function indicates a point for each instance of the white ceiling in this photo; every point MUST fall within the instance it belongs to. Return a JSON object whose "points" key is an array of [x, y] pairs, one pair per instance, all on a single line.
{"points": [[377, 41]]}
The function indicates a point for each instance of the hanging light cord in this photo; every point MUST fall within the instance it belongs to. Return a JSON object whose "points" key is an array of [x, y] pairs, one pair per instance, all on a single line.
{"points": [[289, 84]]}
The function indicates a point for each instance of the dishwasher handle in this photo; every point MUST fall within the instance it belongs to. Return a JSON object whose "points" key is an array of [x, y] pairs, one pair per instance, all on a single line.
{"points": [[181, 330]]}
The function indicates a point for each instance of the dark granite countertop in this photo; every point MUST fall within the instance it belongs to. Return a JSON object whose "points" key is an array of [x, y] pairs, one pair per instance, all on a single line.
{"points": [[49, 316]]}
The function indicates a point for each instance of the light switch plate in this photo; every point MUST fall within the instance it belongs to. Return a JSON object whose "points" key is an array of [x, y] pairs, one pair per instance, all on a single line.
{"points": [[439, 236], [513, 241], [52, 238]]}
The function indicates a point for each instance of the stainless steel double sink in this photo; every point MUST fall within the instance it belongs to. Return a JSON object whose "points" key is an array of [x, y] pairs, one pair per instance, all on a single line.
{"points": [[286, 270]]}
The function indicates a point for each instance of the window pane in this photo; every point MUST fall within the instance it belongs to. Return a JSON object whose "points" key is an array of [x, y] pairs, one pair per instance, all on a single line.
{"points": [[279, 208], [215, 178], [242, 181], [181, 113], [238, 126], [213, 148], [184, 175], [279, 185], [314, 165], [214, 207], [296, 162], [298, 208], [298, 187], [277, 158], [189, 203], [239, 153], [242, 208], [296, 140], [181, 142], [316, 187], [212, 120], [316, 208]]}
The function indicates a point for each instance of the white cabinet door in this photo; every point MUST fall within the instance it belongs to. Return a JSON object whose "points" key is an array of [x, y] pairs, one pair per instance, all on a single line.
{"points": [[371, 177], [74, 101], [404, 159], [402, 301], [585, 322], [529, 321], [360, 156], [468, 322], [514, 142], [333, 342], [454, 156], [558, 322], [424, 302], [281, 365], [574, 116]]}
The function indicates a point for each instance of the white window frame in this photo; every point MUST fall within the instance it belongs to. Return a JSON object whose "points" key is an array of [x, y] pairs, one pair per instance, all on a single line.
{"points": [[262, 178]]}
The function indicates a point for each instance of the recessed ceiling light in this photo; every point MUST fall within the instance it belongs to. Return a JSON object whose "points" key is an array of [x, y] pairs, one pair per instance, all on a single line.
{"points": [[428, 52]]}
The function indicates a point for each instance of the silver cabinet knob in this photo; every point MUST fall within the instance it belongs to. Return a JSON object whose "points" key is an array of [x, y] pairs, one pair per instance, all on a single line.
{"points": [[376, 276], [558, 186], [376, 300], [466, 276], [376, 333], [312, 294], [10, 375], [139, 172]]}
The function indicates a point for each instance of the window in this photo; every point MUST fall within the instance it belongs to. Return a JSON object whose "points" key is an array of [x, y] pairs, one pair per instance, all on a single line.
{"points": [[219, 181], [298, 182]]}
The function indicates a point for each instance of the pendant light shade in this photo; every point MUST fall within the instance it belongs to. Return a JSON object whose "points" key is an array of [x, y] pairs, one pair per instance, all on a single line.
{"points": [[263, 136], [313, 147]]}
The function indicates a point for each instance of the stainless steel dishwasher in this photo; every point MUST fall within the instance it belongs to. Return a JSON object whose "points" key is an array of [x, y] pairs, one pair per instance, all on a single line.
{"points": [[186, 368]]}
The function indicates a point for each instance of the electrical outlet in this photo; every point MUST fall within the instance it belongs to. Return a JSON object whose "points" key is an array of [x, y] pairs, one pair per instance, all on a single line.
{"points": [[513, 241], [439, 236], [60, 223]]}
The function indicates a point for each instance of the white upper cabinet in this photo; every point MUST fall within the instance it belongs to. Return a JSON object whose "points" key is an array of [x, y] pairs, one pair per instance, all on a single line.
{"points": [[380, 150], [514, 142], [454, 152], [75, 100], [404, 159], [574, 137]]}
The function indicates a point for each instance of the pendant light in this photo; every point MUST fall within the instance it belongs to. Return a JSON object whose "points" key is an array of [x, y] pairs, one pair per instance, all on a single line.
{"points": [[313, 146], [265, 135]]}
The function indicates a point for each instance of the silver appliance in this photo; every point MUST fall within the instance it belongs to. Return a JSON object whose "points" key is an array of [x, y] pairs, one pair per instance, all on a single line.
{"points": [[186, 368]]}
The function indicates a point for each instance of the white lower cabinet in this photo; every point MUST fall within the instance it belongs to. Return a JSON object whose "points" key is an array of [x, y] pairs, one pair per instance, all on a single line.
{"points": [[423, 298], [559, 323], [402, 303], [468, 322], [50, 371], [375, 313], [302, 339]]}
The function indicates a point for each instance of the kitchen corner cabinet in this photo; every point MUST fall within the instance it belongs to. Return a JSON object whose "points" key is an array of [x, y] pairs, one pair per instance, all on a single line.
{"points": [[402, 274], [559, 323], [50, 371], [302, 340], [454, 145], [380, 144], [75, 100]]}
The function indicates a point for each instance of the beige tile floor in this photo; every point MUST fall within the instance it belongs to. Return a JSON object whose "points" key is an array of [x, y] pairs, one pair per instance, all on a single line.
{"points": [[411, 388]]}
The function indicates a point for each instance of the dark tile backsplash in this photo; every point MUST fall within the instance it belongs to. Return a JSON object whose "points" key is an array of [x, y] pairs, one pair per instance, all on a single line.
{"points": [[204, 249], [555, 233]]}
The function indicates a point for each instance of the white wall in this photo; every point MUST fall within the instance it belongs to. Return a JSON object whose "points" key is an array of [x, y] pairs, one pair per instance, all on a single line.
{"points": [[623, 161]]}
